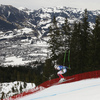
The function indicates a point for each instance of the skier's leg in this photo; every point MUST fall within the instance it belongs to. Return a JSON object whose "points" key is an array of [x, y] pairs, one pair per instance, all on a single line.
{"points": [[60, 74]]}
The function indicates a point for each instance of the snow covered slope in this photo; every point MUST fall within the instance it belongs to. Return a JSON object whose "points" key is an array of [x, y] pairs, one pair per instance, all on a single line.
{"points": [[81, 90], [8, 89]]}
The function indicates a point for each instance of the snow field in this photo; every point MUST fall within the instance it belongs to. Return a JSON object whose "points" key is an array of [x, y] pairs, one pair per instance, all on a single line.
{"points": [[80, 90]]}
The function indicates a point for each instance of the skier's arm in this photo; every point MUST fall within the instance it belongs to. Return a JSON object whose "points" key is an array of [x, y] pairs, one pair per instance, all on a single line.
{"points": [[68, 67]]}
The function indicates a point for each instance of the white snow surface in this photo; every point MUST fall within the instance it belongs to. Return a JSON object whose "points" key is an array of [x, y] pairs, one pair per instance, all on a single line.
{"points": [[15, 61], [81, 90]]}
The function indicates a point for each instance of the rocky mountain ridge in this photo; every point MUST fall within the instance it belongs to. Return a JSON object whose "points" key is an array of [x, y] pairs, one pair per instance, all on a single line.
{"points": [[11, 18], [40, 19]]}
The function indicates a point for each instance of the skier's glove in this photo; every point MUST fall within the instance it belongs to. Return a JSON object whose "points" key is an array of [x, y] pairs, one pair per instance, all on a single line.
{"points": [[68, 68]]}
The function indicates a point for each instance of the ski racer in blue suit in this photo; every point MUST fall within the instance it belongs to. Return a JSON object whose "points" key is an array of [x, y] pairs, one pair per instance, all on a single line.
{"points": [[62, 70]]}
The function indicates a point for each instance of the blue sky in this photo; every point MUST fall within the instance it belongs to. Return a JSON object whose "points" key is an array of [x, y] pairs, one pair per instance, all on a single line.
{"points": [[36, 4]]}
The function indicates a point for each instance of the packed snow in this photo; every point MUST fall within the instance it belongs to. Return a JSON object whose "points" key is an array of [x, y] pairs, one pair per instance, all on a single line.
{"points": [[81, 90]]}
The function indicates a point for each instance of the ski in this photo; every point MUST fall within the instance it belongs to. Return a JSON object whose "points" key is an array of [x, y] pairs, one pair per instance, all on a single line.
{"points": [[63, 81], [66, 80]]}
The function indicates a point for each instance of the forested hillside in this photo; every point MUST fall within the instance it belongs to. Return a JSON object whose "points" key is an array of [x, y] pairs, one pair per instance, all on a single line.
{"points": [[80, 39]]}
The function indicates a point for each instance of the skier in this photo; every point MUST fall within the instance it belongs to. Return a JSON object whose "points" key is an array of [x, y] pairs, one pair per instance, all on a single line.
{"points": [[62, 70]]}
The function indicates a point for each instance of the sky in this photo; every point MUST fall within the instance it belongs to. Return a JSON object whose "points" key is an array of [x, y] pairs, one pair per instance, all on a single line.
{"points": [[37, 4]]}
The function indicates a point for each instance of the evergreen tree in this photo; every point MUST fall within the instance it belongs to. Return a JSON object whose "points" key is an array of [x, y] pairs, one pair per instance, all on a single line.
{"points": [[75, 48], [13, 90], [96, 44], [80, 45], [25, 84], [3, 95], [84, 41], [21, 88], [55, 40], [48, 70], [66, 34]]}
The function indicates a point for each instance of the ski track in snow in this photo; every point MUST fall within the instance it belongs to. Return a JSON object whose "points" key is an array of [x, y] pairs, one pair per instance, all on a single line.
{"points": [[65, 92], [69, 89]]}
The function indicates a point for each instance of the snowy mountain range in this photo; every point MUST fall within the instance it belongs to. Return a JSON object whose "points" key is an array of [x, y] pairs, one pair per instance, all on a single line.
{"points": [[40, 19], [43, 17], [23, 32]]}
